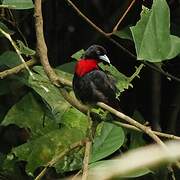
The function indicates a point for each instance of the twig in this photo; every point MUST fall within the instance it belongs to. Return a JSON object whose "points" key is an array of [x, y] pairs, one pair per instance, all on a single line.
{"points": [[60, 156], [17, 51], [122, 17], [131, 121], [86, 159], [17, 69], [86, 18], [76, 175], [160, 134]]}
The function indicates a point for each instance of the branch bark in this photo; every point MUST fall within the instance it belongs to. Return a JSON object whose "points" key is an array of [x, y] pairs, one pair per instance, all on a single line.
{"points": [[17, 69]]}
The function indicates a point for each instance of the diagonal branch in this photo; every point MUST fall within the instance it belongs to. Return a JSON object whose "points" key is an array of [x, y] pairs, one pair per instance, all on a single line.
{"points": [[17, 69], [122, 18]]}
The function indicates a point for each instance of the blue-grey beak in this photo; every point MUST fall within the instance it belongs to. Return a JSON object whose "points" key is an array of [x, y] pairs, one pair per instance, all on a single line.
{"points": [[104, 58]]}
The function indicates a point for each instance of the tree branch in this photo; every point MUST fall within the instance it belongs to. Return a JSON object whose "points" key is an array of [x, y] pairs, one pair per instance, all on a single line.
{"points": [[131, 121], [121, 18], [17, 69], [86, 159], [17, 51]]}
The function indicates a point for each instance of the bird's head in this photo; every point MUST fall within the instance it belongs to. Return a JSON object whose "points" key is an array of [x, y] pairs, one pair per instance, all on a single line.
{"points": [[96, 52], [89, 61]]}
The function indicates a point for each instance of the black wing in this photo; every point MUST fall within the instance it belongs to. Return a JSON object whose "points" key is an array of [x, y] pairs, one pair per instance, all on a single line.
{"points": [[94, 87]]}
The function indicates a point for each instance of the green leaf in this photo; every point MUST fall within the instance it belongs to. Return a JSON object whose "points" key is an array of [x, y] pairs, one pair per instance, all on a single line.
{"points": [[29, 114], [151, 34], [19, 4], [24, 49], [122, 81], [9, 59], [108, 141], [74, 118], [78, 54], [51, 96], [48, 146], [47, 140], [124, 33], [6, 29]]}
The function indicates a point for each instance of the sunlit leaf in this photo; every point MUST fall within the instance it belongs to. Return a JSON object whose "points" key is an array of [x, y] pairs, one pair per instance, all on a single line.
{"points": [[78, 54], [16, 4]]}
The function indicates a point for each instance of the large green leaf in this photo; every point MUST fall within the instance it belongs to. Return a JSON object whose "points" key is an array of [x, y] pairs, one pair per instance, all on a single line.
{"points": [[42, 150], [47, 140], [51, 95], [19, 4], [28, 113], [151, 34], [108, 141]]}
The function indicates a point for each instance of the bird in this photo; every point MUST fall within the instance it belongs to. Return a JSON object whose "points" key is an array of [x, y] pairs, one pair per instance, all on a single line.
{"points": [[90, 83]]}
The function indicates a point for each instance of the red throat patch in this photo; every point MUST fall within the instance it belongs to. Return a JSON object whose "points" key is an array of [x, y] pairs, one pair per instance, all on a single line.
{"points": [[84, 66]]}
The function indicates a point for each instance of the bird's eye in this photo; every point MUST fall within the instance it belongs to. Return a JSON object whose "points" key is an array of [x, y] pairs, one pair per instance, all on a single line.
{"points": [[98, 52]]}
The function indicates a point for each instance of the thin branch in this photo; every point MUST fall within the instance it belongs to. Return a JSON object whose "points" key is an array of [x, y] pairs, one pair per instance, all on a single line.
{"points": [[160, 134], [60, 156], [86, 159], [131, 121], [86, 18], [17, 69], [41, 46], [76, 175], [17, 51], [122, 18]]}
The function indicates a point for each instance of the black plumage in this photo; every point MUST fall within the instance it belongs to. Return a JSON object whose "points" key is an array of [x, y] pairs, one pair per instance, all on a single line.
{"points": [[94, 85]]}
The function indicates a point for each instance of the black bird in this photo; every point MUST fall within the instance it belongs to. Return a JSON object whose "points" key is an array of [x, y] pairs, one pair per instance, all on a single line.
{"points": [[90, 83]]}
